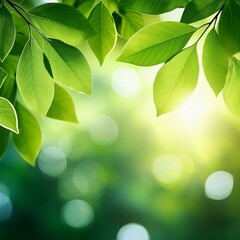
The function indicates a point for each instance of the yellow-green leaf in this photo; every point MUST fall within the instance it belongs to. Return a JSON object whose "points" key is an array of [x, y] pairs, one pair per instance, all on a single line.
{"points": [[8, 116], [176, 80], [34, 83]]}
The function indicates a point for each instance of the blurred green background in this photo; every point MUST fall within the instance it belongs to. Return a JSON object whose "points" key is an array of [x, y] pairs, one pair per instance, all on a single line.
{"points": [[123, 173]]}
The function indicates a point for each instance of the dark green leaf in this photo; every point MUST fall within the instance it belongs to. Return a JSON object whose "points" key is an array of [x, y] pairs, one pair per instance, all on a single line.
{"points": [[7, 32], [61, 22], [69, 66], [102, 22], [8, 116], [229, 34], [156, 43], [3, 76], [62, 107], [215, 62], [151, 6], [34, 83], [4, 135], [176, 80], [131, 23], [28, 141], [200, 9]]}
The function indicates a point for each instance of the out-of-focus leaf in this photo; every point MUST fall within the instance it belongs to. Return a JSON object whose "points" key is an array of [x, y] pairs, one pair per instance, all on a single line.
{"points": [[200, 9], [34, 83], [62, 22], [4, 134], [131, 23], [176, 80], [69, 66], [62, 107], [102, 22], [3, 76], [231, 90], [29, 139], [7, 32], [215, 62], [151, 6], [156, 43], [229, 34], [8, 116]]}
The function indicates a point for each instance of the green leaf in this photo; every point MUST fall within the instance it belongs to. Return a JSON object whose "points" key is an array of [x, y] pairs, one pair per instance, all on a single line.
{"points": [[8, 116], [86, 6], [176, 80], [29, 140], [68, 65], [3, 76], [7, 32], [62, 22], [62, 107], [4, 133], [231, 90], [151, 6], [200, 9], [34, 83], [215, 62], [131, 23], [156, 43], [229, 34], [102, 22]]}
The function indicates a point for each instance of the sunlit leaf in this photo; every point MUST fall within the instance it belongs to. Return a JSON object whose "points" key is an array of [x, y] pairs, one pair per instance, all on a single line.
{"points": [[8, 116], [34, 83], [62, 107], [176, 80], [3, 76], [151, 6], [131, 23], [62, 22], [156, 43], [229, 34], [231, 90], [102, 22], [28, 141], [86, 6], [69, 66], [215, 62], [200, 9], [7, 32]]}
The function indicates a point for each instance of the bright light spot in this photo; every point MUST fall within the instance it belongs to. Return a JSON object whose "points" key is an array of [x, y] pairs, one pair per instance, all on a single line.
{"points": [[52, 161], [85, 175], [174, 15], [219, 185], [132, 231], [125, 82], [5, 207], [103, 129], [77, 213], [167, 169], [65, 143], [192, 111], [51, 1]]}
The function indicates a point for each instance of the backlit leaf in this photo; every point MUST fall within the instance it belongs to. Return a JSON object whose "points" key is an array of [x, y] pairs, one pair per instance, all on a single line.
{"points": [[34, 83], [62, 107], [231, 90], [3, 76], [229, 34], [28, 141], [68, 65], [62, 22], [200, 9], [8, 116], [7, 32], [156, 43], [176, 80], [102, 22], [151, 6], [215, 62]]}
